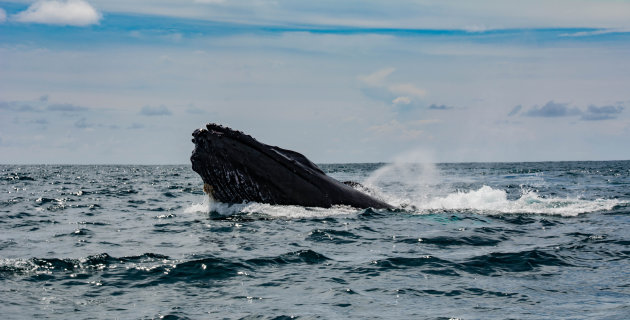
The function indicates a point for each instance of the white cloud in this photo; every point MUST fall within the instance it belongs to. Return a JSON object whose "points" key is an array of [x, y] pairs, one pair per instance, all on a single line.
{"points": [[377, 78], [407, 89], [64, 12], [596, 32], [3, 15], [398, 93], [402, 100]]}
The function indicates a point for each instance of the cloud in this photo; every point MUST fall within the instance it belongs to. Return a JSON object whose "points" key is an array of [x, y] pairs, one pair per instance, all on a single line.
{"points": [[41, 121], [83, 124], [596, 32], [41, 105], [515, 110], [440, 107], [3, 15], [553, 110], [402, 100], [378, 86], [407, 89], [65, 107], [377, 78], [594, 113], [155, 111], [135, 126], [471, 16], [16, 106], [60, 12]]}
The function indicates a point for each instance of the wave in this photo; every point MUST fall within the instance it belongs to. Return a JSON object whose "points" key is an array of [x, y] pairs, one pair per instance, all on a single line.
{"points": [[490, 264], [485, 200], [149, 269]]}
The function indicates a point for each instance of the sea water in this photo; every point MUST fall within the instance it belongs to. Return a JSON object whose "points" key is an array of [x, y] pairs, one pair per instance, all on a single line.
{"points": [[469, 240]]}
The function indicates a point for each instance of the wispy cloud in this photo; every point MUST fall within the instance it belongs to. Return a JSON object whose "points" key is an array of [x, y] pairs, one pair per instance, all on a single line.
{"points": [[555, 110], [16, 106], [595, 32], [601, 113], [421, 14], [440, 107], [377, 85], [60, 12], [41, 105], [402, 100], [41, 121], [3, 15], [155, 111], [377, 79], [65, 107], [136, 126], [83, 124], [515, 110], [407, 89], [552, 110]]}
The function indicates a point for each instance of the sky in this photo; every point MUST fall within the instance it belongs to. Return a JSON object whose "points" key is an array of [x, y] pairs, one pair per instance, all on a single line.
{"points": [[127, 82]]}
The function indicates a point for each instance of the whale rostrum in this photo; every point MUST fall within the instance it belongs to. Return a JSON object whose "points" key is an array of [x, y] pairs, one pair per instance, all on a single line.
{"points": [[237, 168]]}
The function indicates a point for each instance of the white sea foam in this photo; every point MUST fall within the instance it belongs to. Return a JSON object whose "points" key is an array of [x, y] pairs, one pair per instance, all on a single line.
{"points": [[487, 200], [276, 211], [203, 207], [296, 211]]}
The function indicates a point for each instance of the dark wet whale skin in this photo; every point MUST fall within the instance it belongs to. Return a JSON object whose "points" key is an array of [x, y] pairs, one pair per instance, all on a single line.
{"points": [[239, 169]]}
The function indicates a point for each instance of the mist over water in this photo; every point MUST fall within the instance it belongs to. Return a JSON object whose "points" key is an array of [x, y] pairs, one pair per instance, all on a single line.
{"points": [[469, 240]]}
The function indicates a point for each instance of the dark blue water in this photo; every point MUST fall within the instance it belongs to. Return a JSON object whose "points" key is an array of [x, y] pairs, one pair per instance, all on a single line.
{"points": [[471, 241]]}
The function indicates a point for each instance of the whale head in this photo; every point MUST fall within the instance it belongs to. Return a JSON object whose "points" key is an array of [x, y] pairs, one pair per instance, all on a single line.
{"points": [[236, 168]]}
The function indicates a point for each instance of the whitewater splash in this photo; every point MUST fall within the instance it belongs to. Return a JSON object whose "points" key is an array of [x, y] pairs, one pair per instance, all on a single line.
{"points": [[412, 173], [274, 211], [485, 200]]}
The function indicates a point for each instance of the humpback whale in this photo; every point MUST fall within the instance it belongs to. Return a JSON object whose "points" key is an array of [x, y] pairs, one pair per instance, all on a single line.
{"points": [[237, 168]]}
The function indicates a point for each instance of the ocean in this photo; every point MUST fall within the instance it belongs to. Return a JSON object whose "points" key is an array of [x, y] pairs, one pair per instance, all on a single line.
{"points": [[535, 240]]}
